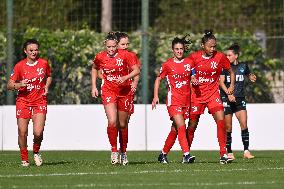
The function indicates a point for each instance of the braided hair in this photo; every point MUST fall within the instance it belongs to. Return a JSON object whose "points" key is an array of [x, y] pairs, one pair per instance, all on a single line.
{"points": [[208, 34]]}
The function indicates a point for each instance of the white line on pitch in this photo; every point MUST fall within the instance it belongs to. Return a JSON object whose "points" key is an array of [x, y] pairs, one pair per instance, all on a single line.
{"points": [[245, 183], [136, 172]]}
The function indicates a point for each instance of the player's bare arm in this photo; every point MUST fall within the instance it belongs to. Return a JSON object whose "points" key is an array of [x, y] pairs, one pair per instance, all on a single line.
{"points": [[94, 75], [47, 84], [135, 71], [155, 100], [12, 85], [232, 84], [222, 84]]}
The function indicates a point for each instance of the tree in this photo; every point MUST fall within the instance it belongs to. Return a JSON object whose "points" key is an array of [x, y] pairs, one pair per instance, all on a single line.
{"points": [[106, 20]]}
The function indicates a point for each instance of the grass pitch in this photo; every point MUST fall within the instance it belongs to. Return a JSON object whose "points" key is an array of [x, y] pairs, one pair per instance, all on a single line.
{"points": [[92, 169]]}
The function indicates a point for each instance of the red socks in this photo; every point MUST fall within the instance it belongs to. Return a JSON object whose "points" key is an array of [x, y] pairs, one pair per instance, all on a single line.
{"points": [[24, 154], [123, 139], [112, 133], [170, 141], [183, 140], [36, 148], [190, 135], [222, 136]]}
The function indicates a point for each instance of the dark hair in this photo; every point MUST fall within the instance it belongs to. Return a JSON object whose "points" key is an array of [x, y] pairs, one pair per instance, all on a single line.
{"points": [[111, 36], [185, 41], [208, 34], [235, 48], [121, 35], [30, 41]]}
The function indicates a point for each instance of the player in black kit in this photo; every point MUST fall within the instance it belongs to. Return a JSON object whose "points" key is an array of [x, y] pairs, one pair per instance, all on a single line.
{"points": [[236, 103]]}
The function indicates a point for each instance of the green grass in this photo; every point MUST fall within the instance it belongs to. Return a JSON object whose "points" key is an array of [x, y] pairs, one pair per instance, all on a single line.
{"points": [[92, 169]]}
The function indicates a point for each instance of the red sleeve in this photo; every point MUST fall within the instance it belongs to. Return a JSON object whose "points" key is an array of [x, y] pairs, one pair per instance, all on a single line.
{"points": [[163, 71], [131, 58], [226, 63], [136, 60], [15, 75], [191, 57], [97, 61], [191, 63], [48, 70]]}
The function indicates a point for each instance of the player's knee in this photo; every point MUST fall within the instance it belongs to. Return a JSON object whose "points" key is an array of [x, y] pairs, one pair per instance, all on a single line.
{"points": [[23, 134], [112, 123], [123, 124], [38, 135]]}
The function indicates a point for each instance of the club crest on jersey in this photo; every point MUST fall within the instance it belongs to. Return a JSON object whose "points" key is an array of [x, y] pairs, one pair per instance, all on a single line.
{"points": [[214, 65], [187, 67], [242, 70], [119, 62], [40, 71]]}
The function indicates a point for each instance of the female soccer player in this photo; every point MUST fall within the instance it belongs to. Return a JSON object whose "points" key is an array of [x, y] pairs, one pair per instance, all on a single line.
{"points": [[31, 77], [177, 70], [236, 103], [116, 89], [123, 43], [208, 66]]}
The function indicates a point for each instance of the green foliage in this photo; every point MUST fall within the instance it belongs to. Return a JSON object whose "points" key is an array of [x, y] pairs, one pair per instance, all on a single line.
{"points": [[2, 67], [251, 52], [70, 54]]}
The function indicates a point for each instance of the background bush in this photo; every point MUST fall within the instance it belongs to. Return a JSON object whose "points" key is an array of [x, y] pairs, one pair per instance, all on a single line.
{"points": [[70, 54]]}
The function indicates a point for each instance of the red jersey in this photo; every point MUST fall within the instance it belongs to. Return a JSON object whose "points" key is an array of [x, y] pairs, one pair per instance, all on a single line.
{"points": [[178, 77], [208, 70], [135, 58], [113, 68], [35, 74]]}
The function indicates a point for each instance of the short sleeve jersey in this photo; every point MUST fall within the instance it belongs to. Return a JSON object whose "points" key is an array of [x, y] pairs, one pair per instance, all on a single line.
{"points": [[178, 78], [135, 58], [208, 70], [241, 70], [35, 74], [113, 68]]}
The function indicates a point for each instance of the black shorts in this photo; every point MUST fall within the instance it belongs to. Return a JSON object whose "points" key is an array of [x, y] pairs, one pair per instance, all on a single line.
{"points": [[233, 107]]}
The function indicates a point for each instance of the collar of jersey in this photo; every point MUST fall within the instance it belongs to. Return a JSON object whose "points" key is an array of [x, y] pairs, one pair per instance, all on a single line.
{"points": [[206, 57], [176, 61], [112, 56], [33, 64]]}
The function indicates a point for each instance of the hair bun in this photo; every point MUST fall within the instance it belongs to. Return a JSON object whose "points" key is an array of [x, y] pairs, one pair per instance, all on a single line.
{"points": [[208, 32]]}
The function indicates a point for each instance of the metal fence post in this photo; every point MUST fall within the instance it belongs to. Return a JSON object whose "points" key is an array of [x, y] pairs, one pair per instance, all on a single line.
{"points": [[10, 48], [145, 50]]}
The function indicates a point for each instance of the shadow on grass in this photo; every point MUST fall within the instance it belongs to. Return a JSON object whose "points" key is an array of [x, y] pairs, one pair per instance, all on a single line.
{"points": [[58, 163], [142, 162]]}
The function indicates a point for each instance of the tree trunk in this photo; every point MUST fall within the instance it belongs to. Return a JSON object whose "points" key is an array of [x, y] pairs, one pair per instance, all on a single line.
{"points": [[106, 20]]}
